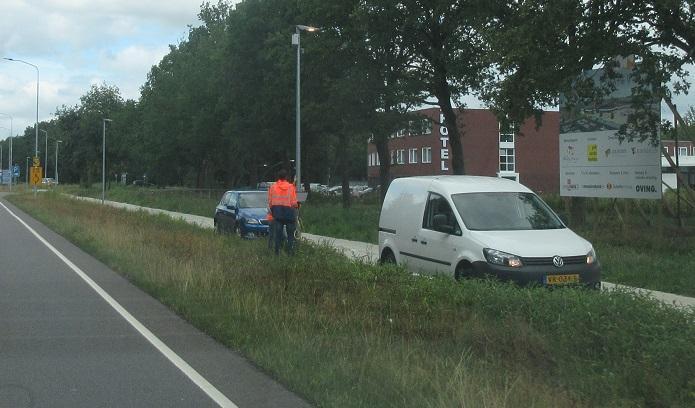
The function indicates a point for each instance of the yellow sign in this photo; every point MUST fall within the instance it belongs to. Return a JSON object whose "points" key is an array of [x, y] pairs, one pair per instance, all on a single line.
{"points": [[35, 176], [592, 152], [36, 162]]}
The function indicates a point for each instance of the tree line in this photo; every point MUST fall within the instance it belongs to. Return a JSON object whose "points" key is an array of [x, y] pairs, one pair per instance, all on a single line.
{"points": [[218, 110]]}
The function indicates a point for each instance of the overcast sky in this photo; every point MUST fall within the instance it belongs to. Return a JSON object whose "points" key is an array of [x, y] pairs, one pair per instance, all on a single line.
{"points": [[77, 43]]}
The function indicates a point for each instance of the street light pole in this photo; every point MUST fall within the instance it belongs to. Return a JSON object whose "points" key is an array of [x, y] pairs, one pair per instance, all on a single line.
{"points": [[103, 160], [36, 125], [45, 161], [57, 141], [296, 40], [9, 164]]}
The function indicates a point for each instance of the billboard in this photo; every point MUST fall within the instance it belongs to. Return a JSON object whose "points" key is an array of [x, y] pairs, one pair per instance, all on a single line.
{"points": [[593, 160]]}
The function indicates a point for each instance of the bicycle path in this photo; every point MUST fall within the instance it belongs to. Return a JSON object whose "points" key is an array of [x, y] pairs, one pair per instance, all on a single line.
{"points": [[369, 253]]}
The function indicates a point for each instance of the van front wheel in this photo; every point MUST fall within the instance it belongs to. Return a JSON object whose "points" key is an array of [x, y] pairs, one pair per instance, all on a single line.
{"points": [[463, 270]]}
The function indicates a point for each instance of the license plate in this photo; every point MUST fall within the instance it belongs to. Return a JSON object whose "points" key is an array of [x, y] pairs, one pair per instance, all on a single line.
{"points": [[561, 279]]}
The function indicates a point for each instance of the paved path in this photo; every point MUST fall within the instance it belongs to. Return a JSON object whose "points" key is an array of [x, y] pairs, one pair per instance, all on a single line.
{"points": [[366, 252], [74, 333]]}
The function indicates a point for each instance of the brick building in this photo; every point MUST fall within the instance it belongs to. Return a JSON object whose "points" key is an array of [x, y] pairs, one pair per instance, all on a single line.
{"points": [[489, 149], [686, 161]]}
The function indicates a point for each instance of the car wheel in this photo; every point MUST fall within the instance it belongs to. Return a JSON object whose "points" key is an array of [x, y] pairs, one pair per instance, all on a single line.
{"points": [[218, 227], [388, 258], [463, 270]]}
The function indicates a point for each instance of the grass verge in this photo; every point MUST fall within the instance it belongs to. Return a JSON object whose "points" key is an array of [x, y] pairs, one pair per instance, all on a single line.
{"points": [[348, 334], [653, 256]]}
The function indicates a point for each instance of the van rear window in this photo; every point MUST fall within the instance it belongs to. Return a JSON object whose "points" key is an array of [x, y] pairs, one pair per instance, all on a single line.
{"points": [[505, 211]]}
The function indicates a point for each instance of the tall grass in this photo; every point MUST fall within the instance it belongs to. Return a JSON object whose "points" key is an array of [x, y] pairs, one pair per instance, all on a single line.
{"points": [[350, 334]]}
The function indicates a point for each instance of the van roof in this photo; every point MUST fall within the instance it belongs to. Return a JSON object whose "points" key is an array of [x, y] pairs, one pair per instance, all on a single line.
{"points": [[473, 184]]}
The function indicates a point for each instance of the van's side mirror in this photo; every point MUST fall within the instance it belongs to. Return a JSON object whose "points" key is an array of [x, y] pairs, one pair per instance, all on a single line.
{"points": [[439, 222]]}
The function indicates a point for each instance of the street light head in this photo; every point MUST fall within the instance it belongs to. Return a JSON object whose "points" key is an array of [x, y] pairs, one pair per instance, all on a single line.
{"points": [[9, 59], [107, 120]]}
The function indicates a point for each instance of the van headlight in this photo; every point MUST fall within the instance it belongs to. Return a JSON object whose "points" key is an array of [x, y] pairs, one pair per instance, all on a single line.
{"points": [[591, 257], [496, 257], [252, 221]]}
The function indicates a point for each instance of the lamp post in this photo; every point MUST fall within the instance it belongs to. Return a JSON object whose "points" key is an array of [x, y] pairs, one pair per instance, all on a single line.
{"points": [[9, 162], [297, 41], [57, 141], [45, 160], [103, 160], [36, 125]]}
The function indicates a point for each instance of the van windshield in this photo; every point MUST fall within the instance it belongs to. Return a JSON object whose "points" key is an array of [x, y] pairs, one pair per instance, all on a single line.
{"points": [[505, 211]]}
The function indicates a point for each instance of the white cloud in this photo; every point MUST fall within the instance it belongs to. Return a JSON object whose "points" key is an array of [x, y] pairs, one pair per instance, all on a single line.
{"points": [[76, 43]]}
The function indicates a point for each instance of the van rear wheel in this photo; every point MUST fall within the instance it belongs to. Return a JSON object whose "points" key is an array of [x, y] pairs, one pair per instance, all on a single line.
{"points": [[388, 258]]}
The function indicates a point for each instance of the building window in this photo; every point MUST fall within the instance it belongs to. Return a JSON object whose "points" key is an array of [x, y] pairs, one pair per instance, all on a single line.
{"points": [[427, 155], [412, 156], [682, 151], [506, 133], [378, 162], [392, 153], [369, 160], [426, 127], [507, 159], [400, 158]]}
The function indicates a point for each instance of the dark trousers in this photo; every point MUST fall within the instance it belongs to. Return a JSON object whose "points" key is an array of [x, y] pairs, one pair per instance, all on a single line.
{"points": [[278, 226], [271, 234]]}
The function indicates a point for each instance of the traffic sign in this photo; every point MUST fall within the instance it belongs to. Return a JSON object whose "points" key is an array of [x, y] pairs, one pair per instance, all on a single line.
{"points": [[35, 176], [15, 170], [36, 162]]}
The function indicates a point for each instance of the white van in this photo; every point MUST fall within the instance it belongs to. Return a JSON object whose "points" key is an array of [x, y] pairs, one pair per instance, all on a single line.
{"points": [[467, 226]]}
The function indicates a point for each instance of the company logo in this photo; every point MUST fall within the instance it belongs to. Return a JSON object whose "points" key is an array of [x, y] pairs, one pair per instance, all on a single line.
{"points": [[570, 153], [644, 188], [569, 186], [558, 262], [592, 152]]}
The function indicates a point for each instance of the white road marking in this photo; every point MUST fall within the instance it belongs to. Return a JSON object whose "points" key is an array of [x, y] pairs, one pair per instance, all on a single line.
{"points": [[180, 363]]}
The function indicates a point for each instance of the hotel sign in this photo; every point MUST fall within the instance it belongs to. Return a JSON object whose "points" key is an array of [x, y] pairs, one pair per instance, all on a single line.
{"points": [[444, 144]]}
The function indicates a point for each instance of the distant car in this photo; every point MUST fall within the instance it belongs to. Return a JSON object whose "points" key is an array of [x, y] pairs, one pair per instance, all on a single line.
{"points": [[264, 185], [335, 190], [357, 191], [142, 183], [361, 193], [49, 181], [242, 212]]}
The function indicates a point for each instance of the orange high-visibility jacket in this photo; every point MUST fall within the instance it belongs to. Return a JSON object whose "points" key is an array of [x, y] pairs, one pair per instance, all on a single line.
{"points": [[282, 194]]}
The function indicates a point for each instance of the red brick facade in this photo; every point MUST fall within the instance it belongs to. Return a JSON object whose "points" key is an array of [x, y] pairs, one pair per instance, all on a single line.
{"points": [[535, 158]]}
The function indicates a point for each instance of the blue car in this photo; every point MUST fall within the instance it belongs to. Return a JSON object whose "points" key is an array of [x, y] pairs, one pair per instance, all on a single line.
{"points": [[243, 213]]}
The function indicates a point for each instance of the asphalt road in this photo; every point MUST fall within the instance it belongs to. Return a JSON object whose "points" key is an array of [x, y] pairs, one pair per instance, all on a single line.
{"points": [[73, 333]]}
